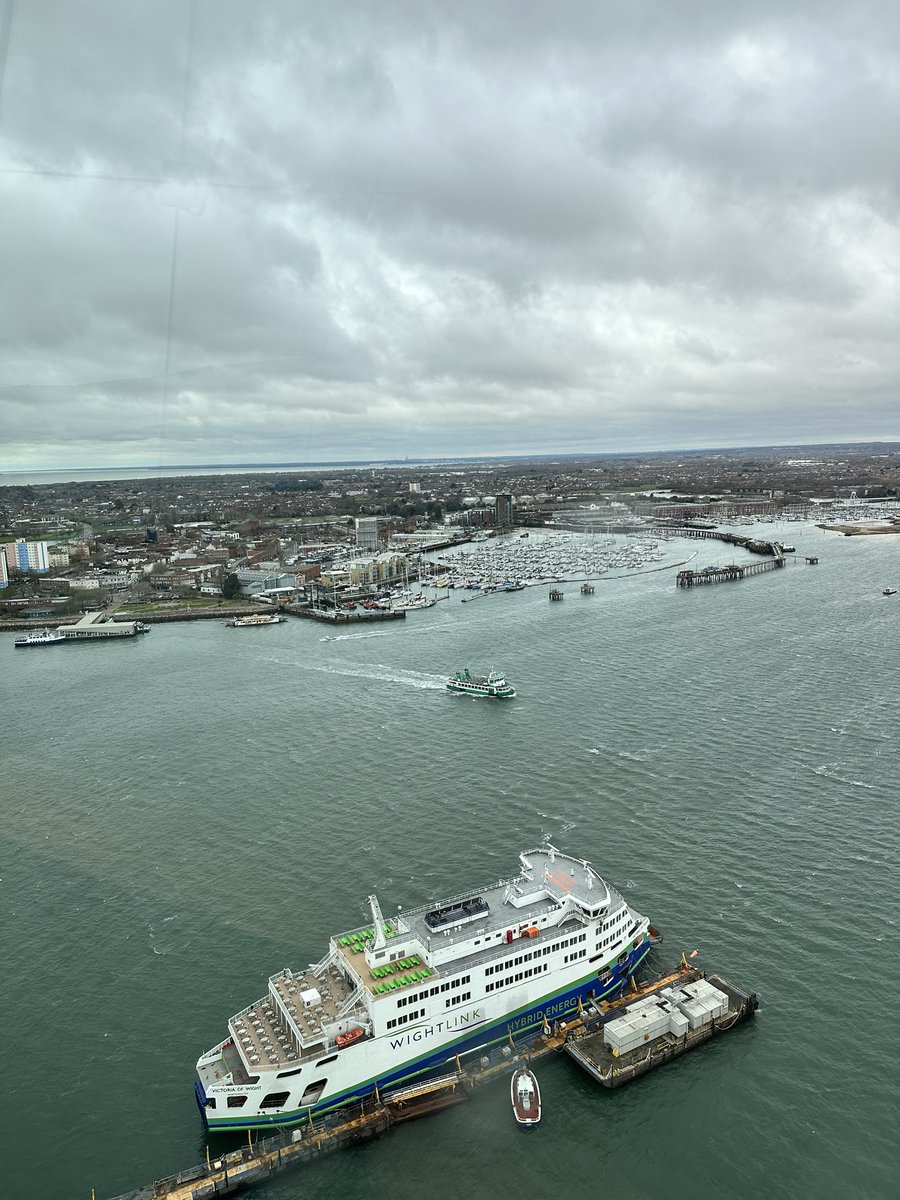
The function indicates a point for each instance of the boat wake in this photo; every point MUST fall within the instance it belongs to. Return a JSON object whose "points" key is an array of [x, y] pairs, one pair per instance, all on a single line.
{"points": [[385, 674], [353, 637], [829, 772]]}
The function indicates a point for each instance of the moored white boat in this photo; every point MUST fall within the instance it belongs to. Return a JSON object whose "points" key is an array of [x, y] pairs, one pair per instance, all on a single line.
{"points": [[256, 619], [40, 637], [402, 999], [526, 1098]]}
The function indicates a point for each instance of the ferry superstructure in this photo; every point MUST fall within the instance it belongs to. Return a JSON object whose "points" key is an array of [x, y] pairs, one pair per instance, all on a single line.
{"points": [[492, 684], [405, 997]]}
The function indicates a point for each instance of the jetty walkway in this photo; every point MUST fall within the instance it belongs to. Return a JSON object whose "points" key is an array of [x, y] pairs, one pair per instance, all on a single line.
{"points": [[726, 574]]}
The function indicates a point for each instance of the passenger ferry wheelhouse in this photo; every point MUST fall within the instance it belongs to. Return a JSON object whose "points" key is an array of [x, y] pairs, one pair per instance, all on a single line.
{"points": [[393, 1002]]}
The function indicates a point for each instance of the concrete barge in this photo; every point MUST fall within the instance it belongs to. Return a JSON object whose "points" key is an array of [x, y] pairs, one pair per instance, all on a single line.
{"points": [[664, 1023]]}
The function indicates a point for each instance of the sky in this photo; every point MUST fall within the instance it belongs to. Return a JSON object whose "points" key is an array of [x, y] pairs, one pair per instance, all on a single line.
{"points": [[269, 231]]}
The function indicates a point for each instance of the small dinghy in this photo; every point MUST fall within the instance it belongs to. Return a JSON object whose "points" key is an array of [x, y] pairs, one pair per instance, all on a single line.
{"points": [[526, 1098]]}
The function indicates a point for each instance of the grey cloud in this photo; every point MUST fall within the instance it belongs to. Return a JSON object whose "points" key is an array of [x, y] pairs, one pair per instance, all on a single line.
{"points": [[434, 228]]}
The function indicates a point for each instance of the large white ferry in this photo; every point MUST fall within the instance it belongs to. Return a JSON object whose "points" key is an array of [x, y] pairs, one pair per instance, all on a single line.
{"points": [[392, 1002]]}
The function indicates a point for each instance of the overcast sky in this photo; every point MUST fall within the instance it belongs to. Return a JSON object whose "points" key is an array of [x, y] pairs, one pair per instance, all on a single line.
{"points": [[253, 231]]}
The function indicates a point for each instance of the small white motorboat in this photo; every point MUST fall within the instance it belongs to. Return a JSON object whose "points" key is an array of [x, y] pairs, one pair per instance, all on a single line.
{"points": [[526, 1098]]}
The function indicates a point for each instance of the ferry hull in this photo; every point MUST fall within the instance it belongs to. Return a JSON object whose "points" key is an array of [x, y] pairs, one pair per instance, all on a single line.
{"points": [[524, 1021]]}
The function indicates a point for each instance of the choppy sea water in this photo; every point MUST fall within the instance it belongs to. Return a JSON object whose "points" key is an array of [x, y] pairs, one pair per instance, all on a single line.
{"points": [[185, 814]]}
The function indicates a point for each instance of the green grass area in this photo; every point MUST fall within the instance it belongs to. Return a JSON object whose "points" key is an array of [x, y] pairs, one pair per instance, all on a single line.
{"points": [[176, 602]]}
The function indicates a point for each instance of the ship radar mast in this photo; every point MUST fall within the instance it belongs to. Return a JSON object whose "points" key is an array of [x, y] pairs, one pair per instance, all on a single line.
{"points": [[378, 920]]}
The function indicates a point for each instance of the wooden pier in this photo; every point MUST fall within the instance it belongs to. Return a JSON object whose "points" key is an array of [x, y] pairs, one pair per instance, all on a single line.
{"points": [[258, 1161], [556, 594], [729, 574]]}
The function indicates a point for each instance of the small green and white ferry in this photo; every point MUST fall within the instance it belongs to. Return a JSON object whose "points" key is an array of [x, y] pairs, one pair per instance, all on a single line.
{"points": [[491, 684], [406, 998]]}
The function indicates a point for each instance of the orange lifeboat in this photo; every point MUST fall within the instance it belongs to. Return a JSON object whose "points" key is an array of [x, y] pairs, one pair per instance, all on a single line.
{"points": [[347, 1039]]}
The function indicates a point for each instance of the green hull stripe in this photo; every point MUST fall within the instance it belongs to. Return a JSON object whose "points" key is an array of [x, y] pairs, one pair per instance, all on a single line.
{"points": [[300, 1114]]}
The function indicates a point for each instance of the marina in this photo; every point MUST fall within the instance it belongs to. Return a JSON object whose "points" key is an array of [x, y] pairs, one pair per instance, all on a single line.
{"points": [[511, 564]]}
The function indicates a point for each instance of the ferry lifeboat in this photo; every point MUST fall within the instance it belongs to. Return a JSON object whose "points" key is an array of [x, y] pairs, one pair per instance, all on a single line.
{"points": [[347, 1039]]}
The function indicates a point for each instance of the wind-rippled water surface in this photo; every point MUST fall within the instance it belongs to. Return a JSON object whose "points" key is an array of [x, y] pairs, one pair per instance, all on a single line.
{"points": [[187, 813]]}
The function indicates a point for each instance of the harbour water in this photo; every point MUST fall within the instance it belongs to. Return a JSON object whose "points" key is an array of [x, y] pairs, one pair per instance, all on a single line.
{"points": [[186, 813]]}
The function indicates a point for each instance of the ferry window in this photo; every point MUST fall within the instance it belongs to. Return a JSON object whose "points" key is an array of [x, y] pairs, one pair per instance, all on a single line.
{"points": [[323, 1061], [444, 987], [401, 1003], [237, 1101], [211, 1102], [313, 1092], [253, 1079], [284, 1074], [466, 996], [276, 1099], [392, 1023]]}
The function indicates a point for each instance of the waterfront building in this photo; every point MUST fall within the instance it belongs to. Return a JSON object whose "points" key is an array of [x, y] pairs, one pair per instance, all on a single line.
{"points": [[22, 556], [367, 533], [379, 568], [252, 581], [504, 509]]}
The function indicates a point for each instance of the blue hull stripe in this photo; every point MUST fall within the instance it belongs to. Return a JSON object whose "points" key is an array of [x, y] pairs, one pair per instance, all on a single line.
{"points": [[516, 1024]]}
